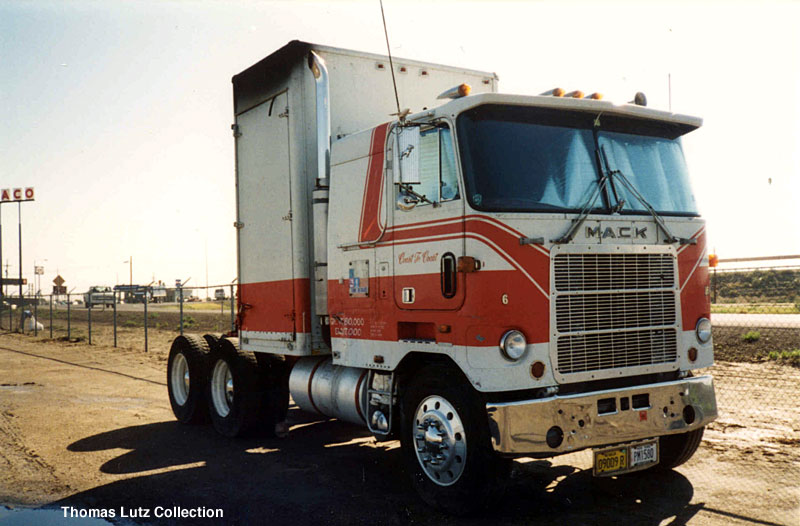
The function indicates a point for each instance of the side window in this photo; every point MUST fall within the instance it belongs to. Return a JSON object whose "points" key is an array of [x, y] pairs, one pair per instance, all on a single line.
{"points": [[429, 164], [433, 165]]}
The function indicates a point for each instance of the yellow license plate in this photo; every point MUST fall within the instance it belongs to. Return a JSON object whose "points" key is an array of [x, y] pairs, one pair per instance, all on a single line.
{"points": [[611, 460]]}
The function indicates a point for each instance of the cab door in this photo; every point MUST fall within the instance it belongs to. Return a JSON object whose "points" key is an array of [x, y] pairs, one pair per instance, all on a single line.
{"points": [[428, 220]]}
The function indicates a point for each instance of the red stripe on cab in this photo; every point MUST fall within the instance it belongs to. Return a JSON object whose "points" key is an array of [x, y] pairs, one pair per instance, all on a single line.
{"points": [[370, 227]]}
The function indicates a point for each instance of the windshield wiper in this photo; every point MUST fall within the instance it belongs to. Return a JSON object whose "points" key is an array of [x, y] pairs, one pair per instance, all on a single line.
{"points": [[578, 221], [639, 197]]}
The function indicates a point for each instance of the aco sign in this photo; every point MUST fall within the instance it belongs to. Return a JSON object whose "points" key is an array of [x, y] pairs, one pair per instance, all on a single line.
{"points": [[16, 194]]}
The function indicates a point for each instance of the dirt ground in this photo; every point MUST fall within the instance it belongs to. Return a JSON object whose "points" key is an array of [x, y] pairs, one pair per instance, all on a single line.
{"points": [[731, 343], [90, 427]]}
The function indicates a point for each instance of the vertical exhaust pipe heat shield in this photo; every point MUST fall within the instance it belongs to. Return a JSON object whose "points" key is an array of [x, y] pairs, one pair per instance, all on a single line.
{"points": [[320, 194]]}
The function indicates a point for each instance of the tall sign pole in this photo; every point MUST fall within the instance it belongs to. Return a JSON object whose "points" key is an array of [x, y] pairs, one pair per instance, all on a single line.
{"points": [[16, 195], [19, 217], [2, 285]]}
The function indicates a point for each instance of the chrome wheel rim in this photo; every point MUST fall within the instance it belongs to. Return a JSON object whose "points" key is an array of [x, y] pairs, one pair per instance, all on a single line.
{"points": [[222, 388], [440, 441], [179, 379]]}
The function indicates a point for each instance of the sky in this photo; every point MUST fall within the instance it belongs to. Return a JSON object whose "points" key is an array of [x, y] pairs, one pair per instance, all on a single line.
{"points": [[119, 113]]}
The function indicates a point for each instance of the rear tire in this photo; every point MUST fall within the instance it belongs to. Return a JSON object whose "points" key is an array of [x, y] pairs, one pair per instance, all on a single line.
{"points": [[445, 441], [234, 389], [187, 369], [674, 450]]}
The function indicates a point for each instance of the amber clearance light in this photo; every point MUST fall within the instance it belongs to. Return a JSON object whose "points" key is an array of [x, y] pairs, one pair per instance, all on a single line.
{"points": [[462, 90], [555, 92]]}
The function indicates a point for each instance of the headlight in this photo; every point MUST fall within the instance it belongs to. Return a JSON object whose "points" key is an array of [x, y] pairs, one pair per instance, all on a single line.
{"points": [[703, 330], [512, 345]]}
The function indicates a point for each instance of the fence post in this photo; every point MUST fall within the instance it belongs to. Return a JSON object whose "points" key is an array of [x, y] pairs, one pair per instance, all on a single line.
{"points": [[89, 307], [51, 316], [145, 319], [233, 316], [115, 318], [21, 312], [715, 284], [180, 300], [36, 314], [69, 318]]}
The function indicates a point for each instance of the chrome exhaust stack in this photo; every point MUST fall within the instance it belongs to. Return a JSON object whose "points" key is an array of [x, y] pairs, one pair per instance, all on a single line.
{"points": [[320, 193], [323, 110]]}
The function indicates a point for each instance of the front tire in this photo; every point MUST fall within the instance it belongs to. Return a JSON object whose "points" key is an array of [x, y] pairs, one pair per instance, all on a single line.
{"points": [[678, 449], [187, 368], [445, 440]]}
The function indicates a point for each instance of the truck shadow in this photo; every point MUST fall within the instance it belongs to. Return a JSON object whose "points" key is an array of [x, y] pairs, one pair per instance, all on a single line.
{"points": [[329, 472]]}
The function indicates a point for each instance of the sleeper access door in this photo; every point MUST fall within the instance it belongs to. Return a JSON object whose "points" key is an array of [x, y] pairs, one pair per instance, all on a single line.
{"points": [[264, 202]]}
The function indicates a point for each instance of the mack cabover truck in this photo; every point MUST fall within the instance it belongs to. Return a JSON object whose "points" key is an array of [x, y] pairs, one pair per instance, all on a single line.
{"points": [[482, 276]]}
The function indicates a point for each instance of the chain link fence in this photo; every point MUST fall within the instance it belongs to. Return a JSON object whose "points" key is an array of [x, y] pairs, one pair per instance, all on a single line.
{"points": [[123, 316], [756, 318]]}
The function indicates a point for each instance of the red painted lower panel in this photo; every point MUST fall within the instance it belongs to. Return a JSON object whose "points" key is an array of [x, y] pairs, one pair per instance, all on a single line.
{"points": [[481, 321], [276, 306]]}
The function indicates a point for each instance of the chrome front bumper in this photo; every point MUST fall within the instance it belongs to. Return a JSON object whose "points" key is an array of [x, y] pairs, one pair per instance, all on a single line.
{"points": [[601, 417]]}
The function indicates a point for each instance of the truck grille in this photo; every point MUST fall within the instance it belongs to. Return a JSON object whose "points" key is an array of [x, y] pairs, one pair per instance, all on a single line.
{"points": [[611, 350], [614, 311], [593, 312], [578, 272]]}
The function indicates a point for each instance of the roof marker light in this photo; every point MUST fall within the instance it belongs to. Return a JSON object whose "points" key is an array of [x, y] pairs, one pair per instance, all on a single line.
{"points": [[594, 96], [555, 92], [462, 90], [577, 94]]}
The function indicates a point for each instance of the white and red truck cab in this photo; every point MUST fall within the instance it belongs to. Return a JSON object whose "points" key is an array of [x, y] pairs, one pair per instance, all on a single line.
{"points": [[490, 277]]}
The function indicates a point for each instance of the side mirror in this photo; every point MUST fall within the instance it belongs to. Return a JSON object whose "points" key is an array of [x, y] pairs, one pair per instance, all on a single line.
{"points": [[408, 155], [406, 201]]}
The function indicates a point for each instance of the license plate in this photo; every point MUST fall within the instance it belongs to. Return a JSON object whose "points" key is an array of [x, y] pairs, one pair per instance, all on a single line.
{"points": [[643, 454], [623, 459]]}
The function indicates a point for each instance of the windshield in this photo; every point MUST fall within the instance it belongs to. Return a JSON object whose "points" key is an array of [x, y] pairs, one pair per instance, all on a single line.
{"points": [[655, 167], [523, 159]]}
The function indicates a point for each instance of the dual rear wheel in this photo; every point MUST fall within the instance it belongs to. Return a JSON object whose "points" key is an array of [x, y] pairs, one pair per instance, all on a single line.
{"points": [[212, 379]]}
